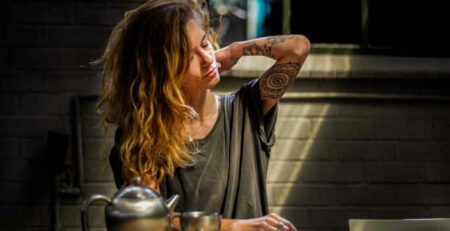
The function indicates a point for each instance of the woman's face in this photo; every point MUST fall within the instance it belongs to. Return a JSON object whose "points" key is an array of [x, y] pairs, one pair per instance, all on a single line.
{"points": [[202, 73]]}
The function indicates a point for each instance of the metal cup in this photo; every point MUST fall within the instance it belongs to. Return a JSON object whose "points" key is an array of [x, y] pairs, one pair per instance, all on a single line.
{"points": [[198, 221]]}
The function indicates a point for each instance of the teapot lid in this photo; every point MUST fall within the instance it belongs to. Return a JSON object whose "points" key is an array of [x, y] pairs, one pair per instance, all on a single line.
{"points": [[138, 201], [136, 191]]}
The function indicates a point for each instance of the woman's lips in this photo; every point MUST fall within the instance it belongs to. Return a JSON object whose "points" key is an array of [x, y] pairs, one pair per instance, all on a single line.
{"points": [[210, 74]]}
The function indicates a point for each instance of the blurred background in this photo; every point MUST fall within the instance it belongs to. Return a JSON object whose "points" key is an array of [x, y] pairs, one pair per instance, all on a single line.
{"points": [[364, 132]]}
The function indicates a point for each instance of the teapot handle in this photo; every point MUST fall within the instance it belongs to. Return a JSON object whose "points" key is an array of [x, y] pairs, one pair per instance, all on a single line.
{"points": [[171, 221], [85, 207]]}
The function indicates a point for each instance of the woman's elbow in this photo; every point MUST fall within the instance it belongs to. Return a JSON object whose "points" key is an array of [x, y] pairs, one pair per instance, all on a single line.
{"points": [[302, 46]]}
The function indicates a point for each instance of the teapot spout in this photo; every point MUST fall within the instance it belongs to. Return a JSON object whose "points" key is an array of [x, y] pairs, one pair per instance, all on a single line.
{"points": [[172, 202]]}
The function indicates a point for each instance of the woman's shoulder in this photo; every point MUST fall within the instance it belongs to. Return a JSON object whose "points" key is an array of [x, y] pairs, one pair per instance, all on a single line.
{"points": [[246, 92]]}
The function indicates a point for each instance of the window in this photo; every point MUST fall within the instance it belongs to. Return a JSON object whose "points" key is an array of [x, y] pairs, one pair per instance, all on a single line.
{"points": [[387, 27], [327, 21], [400, 27], [410, 26]]}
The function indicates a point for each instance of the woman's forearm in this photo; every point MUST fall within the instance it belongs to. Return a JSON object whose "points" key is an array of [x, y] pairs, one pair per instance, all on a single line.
{"points": [[267, 222], [276, 47], [227, 224]]}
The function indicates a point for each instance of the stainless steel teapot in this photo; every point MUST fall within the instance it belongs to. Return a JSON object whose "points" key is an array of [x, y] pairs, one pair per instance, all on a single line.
{"points": [[135, 207]]}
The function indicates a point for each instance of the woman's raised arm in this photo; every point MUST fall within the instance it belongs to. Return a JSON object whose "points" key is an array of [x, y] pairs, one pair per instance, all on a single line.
{"points": [[290, 51]]}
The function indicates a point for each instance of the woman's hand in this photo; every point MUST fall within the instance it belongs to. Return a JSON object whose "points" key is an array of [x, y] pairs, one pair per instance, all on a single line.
{"points": [[226, 57], [270, 222]]}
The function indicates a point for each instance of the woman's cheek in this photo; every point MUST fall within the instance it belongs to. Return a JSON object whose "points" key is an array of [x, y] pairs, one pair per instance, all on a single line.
{"points": [[192, 66], [195, 72]]}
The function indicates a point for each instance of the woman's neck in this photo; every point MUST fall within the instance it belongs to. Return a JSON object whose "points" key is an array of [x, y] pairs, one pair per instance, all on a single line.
{"points": [[203, 102]]}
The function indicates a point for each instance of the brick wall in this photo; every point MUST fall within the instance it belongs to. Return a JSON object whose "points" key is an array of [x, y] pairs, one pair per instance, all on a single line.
{"points": [[340, 160], [44, 48], [335, 158]]}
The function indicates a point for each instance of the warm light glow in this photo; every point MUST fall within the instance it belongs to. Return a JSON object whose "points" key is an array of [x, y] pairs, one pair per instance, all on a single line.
{"points": [[303, 154]]}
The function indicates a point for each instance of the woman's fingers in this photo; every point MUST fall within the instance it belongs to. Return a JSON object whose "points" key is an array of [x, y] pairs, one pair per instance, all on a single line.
{"points": [[276, 223], [222, 54], [271, 221], [287, 223], [224, 57], [267, 223], [267, 226], [225, 65]]}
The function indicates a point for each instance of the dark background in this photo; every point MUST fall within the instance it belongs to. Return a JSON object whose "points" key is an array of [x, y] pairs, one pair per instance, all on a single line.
{"points": [[365, 144]]}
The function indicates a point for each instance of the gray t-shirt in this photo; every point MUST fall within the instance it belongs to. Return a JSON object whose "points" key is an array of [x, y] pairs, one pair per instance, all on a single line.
{"points": [[229, 174]]}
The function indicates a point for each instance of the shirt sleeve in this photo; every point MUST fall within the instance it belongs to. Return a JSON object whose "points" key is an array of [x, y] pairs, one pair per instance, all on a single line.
{"points": [[263, 124]]}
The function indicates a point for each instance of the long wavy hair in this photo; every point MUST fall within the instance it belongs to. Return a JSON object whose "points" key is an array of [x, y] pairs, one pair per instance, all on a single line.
{"points": [[143, 65]]}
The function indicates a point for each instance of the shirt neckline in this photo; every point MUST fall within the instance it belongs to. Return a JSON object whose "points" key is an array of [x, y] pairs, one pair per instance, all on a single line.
{"points": [[213, 129]]}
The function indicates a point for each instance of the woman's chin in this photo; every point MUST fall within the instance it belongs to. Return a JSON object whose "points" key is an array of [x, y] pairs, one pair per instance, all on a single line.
{"points": [[217, 77], [215, 80]]}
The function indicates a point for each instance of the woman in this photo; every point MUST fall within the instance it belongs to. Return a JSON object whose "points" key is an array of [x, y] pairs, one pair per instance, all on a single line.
{"points": [[159, 67]]}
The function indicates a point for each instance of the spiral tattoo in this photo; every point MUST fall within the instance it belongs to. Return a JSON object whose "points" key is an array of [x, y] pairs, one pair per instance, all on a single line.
{"points": [[275, 81]]}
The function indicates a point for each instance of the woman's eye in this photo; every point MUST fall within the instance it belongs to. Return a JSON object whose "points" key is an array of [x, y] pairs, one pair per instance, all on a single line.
{"points": [[205, 45]]}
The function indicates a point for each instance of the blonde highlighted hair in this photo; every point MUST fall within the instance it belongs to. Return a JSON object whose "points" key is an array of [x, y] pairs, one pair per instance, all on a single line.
{"points": [[143, 65]]}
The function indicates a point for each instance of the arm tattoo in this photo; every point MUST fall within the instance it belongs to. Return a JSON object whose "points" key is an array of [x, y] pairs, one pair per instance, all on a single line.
{"points": [[266, 50], [253, 49], [275, 81]]}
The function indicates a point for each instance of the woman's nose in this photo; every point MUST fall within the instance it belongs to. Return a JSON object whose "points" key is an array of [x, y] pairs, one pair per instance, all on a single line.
{"points": [[207, 57]]}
